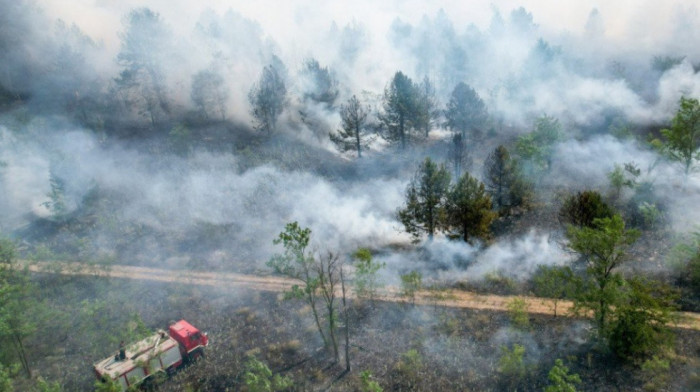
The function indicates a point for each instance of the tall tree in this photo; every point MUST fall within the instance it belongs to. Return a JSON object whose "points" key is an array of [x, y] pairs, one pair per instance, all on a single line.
{"points": [[209, 93], [604, 249], [466, 112], [536, 148], [145, 44], [400, 103], [504, 181], [268, 98], [459, 155], [469, 212], [427, 112], [426, 196], [353, 136], [15, 304], [318, 83], [682, 139]]}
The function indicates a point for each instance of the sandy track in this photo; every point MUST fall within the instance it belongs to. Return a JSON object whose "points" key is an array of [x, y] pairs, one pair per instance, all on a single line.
{"points": [[227, 280]]}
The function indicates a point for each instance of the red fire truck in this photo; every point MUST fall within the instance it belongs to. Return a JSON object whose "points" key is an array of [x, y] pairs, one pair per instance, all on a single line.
{"points": [[162, 352]]}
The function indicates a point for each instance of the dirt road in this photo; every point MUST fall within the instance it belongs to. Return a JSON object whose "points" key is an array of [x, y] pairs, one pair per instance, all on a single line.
{"points": [[227, 280]]}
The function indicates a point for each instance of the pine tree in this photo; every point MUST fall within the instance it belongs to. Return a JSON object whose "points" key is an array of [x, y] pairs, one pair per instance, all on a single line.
{"points": [[426, 196], [353, 135], [469, 212]]}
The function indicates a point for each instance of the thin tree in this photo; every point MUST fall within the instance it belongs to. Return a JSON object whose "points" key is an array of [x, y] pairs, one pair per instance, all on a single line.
{"points": [[268, 98], [459, 155], [297, 262], [427, 111], [353, 135]]}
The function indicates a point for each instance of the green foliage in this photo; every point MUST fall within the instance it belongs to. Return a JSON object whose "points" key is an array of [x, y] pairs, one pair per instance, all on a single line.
{"points": [[107, 385], [604, 248], [8, 252], [259, 378], [640, 323], [466, 112], [268, 98], [427, 105], [410, 365], [353, 136], [367, 384], [504, 181], [682, 140], [45, 386], [560, 380], [57, 202], [411, 283], [366, 279], [402, 110], [651, 214], [583, 208], [468, 208], [426, 196], [624, 177], [655, 372], [17, 321], [554, 282], [5, 381], [295, 260], [519, 316], [536, 147], [512, 365]]}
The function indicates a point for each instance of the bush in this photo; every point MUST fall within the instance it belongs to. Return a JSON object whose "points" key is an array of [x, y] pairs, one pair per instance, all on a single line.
{"points": [[410, 284], [518, 313], [560, 380], [369, 385]]}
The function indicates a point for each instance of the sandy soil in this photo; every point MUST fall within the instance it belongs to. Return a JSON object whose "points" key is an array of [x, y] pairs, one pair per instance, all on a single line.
{"points": [[447, 298]]}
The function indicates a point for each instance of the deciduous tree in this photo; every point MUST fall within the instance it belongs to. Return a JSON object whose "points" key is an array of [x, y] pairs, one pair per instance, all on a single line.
{"points": [[682, 140], [604, 248]]}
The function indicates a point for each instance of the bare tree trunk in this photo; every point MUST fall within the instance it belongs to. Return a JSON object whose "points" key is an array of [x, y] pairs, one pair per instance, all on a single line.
{"points": [[347, 322]]}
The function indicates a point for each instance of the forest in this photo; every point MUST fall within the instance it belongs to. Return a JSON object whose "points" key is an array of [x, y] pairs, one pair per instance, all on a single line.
{"points": [[355, 197]]}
